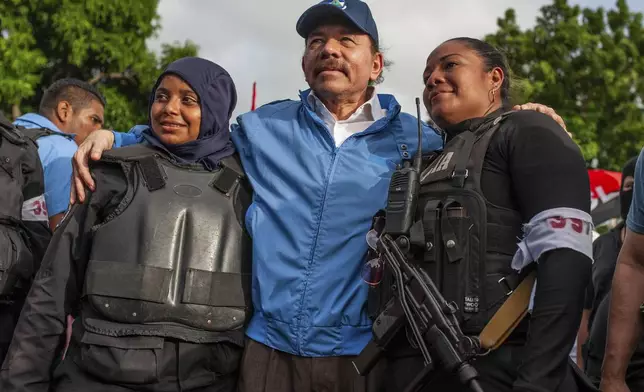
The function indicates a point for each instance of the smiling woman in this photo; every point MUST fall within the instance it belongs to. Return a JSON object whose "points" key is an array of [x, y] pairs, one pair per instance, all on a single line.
{"points": [[175, 114], [465, 78], [163, 256], [501, 176]]}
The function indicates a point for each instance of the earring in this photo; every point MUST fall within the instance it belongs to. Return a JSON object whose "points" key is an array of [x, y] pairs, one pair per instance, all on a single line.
{"points": [[493, 92]]}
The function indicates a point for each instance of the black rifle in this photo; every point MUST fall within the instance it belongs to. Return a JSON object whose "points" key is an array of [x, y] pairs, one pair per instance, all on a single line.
{"points": [[430, 317]]}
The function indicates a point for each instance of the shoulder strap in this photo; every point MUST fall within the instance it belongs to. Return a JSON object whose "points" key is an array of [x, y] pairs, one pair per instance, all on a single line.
{"points": [[460, 167], [231, 174], [509, 315], [153, 176], [36, 133], [145, 157], [11, 133], [234, 163]]}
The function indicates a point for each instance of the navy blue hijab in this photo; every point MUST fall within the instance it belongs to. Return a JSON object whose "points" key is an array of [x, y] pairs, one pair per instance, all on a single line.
{"points": [[217, 97]]}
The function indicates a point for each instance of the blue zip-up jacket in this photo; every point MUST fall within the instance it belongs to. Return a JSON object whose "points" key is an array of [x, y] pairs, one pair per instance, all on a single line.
{"points": [[312, 208]]}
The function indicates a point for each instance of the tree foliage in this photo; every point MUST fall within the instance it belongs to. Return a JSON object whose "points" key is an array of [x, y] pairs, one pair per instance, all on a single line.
{"points": [[103, 42], [588, 65]]}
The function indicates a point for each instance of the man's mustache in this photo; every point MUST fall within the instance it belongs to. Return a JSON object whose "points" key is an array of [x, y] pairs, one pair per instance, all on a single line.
{"points": [[331, 66]]}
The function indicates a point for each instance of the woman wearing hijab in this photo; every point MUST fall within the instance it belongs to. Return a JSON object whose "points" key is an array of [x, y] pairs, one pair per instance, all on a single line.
{"points": [[155, 265]]}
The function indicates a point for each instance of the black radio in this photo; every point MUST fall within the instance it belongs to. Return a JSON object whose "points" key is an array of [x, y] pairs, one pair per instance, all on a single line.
{"points": [[403, 190]]}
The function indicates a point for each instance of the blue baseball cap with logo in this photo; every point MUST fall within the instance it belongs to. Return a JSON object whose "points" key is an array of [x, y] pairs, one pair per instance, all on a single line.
{"points": [[355, 11]]}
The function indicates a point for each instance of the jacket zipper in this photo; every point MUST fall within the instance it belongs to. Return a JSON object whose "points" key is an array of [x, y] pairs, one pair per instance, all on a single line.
{"points": [[322, 207]]}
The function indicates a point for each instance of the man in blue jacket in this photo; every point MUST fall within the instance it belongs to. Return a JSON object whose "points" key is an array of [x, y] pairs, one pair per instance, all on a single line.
{"points": [[70, 109], [320, 168]]}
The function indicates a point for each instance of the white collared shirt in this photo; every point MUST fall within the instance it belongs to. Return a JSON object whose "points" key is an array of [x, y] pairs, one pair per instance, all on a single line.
{"points": [[368, 113]]}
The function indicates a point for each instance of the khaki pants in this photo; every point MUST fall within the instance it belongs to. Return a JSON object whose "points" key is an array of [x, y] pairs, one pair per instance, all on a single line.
{"points": [[264, 369]]}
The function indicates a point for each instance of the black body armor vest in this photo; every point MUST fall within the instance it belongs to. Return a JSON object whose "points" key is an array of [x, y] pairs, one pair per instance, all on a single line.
{"points": [[17, 264], [469, 242], [465, 243], [174, 259]]}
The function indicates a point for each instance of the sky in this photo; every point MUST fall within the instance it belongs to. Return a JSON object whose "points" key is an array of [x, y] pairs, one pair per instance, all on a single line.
{"points": [[256, 41]]}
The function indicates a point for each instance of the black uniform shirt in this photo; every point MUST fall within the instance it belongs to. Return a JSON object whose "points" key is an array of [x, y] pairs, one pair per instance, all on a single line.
{"points": [[605, 251], [532, 165]]}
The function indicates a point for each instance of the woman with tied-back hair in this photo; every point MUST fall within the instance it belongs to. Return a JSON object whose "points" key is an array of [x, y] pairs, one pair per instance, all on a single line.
{"points": [[503, 177]]}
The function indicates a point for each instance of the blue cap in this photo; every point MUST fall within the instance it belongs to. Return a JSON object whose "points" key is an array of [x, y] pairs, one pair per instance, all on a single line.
{"points": [[356, 11]]}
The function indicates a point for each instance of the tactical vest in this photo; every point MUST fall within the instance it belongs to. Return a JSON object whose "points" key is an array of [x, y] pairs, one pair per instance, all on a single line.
{"points": [[469, 242], [16, 259], [173, 260], [459, 238]]}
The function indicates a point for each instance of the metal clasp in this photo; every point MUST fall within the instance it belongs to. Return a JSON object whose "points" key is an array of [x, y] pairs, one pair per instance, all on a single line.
{"points": [[465, 173], [504, 282]]}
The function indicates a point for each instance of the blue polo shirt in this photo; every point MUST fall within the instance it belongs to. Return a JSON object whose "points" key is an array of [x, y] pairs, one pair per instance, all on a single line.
{"points": [[56, 152], [635, 220]]}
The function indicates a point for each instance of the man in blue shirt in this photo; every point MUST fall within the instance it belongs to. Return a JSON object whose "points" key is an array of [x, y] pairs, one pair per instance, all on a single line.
{"points": [[69, 111], [625, 320]]}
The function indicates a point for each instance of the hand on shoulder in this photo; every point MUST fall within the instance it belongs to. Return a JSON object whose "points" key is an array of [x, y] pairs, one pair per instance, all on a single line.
{"points": [[547, 110]]}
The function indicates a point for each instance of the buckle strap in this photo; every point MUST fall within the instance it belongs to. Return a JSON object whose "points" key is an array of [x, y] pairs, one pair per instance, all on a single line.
{"points": [[512, 281], [509, 315], [509, 283], [459, 176], [460, 173]]}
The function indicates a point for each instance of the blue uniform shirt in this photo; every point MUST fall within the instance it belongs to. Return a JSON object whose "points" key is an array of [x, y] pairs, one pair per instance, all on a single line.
{"points": [[134, 136], [56, 152], [635, 220]]}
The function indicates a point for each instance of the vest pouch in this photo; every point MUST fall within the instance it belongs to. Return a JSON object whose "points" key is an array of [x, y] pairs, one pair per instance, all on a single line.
{"points": [[121, 360], [431, 225], [15, 260], [456, 227]]}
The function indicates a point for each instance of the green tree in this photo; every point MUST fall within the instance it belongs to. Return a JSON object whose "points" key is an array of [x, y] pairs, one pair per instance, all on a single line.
{"points": [[588, 65], [100, 41]]}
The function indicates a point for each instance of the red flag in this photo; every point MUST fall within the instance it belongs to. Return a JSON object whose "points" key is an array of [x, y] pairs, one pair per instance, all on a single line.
{"points": [[604, 182], [252, 105]]}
